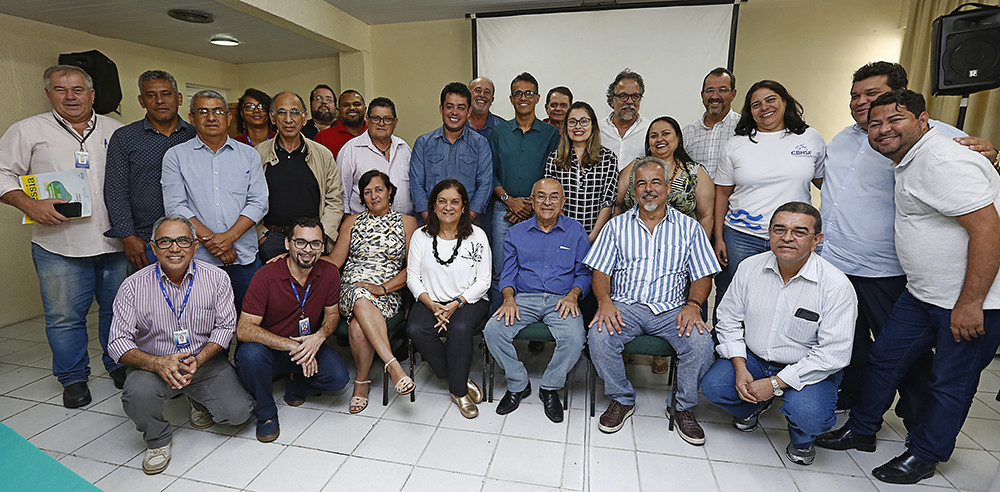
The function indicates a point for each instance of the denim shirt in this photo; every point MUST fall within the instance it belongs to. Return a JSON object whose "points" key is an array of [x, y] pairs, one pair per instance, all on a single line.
{"points": [[468, 160]]}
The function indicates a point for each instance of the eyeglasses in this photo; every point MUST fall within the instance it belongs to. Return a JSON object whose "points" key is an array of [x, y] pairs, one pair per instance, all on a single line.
{"points": [[326, 99], [525, 94], [205, 112], [167, 242], [281, 113], [381, 120], [584, 122], [623, 97], [253, 107], [551, 197], [797, 233], [313, 245], [722, 91]]}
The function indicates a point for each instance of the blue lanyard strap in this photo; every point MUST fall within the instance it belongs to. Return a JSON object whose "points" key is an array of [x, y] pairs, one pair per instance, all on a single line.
{"points": [[186, 295], [302, 301]]}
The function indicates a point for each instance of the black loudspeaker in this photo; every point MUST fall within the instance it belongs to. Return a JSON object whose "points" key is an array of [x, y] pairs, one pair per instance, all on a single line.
{"points": [[965, 56], [107, 87]]}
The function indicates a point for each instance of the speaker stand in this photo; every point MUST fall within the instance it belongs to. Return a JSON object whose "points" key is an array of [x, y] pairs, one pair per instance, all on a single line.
{"points": [[963, 106]]}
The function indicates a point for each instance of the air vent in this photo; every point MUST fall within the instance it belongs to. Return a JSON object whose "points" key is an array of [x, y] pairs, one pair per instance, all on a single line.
{"points": [[195, 16]]}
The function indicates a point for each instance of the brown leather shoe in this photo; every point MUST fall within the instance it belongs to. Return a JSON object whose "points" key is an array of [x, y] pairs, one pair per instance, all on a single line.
{"points": [[688, 428], [614, 417]]}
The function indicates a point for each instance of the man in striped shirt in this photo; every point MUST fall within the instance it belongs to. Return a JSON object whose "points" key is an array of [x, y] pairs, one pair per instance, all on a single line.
{"points": [[643, 261], [786, 326], [172, 324]]}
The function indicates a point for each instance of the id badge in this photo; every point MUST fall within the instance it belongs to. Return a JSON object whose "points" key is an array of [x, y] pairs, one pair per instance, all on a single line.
{"points": [[303, 327], [181, 339], [82, 159]]}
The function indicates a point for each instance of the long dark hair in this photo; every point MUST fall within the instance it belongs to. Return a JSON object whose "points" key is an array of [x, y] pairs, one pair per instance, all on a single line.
{"points": [[792, 117], [680, 155], [261, 97], [433, 226]]}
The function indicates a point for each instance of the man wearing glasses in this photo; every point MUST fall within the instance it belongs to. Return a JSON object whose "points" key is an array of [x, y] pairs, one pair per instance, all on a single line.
{"points": [[705, 137], [351, 108], [302, 178], [323, 103], [219, 185], [173, 321], [290, 309], [519, 148], [786, 326], [624, 130], [377, 149]]}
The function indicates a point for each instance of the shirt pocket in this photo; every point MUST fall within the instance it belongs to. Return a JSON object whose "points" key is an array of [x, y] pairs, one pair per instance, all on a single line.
{"points": [[436, 169], [564, 259], [803, 331]]}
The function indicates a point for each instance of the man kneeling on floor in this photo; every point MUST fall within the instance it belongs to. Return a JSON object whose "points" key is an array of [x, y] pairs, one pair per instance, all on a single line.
{"points": [[543, 278], [172, 322], [291, 307], [643, 260], [786, 324]]}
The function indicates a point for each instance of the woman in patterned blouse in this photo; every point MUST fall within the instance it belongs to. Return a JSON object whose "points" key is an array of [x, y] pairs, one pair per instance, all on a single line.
{"points": [[587, 171]]}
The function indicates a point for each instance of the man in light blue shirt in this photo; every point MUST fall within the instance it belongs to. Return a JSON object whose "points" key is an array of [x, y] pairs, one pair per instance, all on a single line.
{"points": [[858, 211], [220, 186]]}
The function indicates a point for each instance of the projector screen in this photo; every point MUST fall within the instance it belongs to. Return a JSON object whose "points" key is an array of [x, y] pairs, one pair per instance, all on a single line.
{"points": [[671, 47]]}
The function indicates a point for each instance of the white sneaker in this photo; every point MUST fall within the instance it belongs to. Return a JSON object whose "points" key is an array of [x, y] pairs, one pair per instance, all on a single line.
{"points": [[156, 460], [200, 419]]}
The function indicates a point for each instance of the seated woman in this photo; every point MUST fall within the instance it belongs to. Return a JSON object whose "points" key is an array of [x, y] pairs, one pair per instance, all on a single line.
{"points": [[371, 250], [585, 169], [253, 118], [448, 271]]}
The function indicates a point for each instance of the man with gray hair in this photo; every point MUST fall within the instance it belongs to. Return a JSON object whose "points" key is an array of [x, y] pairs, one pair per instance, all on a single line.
{"points": [[75, 262], [220, 186], [132, 190], [624, 130], [173, 321], [481, 119]]}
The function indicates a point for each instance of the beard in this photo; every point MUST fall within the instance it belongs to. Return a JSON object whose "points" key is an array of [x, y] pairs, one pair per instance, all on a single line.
{"points": [[323, 116], [650, 206]]}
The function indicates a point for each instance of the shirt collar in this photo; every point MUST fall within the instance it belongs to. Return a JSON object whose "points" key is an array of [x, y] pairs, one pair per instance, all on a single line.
{"points": [[809, 270], [910, 155], [611, 124], [534, 125], [560, 224], [301, 150], [439, 133], [181, 125], [286, 273], [188, 273], [731, 114], [90, 123], [199, 143], [670, 215]]}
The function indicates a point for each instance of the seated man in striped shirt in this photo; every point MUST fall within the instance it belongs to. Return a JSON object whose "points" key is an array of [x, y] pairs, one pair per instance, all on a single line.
{"points": [[173, 321], [643, 261], [786, 326]]}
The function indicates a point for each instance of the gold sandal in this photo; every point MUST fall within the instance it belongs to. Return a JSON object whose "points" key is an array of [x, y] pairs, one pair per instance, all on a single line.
{"points": [[358, 403], [405, 384]]}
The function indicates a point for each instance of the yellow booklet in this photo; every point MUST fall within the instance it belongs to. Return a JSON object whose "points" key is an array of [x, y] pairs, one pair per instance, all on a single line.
{"points": [[70, 185]]}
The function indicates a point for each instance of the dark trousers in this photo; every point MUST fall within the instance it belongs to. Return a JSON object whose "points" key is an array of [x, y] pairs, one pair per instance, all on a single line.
{"points": [[449, 359], [240, 276], [876, 297], [257, 365], [273, 245], [913, 328]]}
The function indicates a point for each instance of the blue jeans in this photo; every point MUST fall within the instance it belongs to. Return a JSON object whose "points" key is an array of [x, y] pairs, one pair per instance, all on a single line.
{"points": [[500, 227], [240, 276], [257, 365], [809, 411], [569, 334], [739, 246], [68, 288], [913, 328], [694, 353]]}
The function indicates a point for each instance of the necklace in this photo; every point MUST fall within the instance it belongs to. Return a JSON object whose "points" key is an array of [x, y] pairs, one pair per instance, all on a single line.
{"points": [[454, 252]]}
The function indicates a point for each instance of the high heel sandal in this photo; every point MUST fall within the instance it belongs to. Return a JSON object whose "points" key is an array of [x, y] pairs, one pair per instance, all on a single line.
{"points": [[405, 384], [358, 403]]}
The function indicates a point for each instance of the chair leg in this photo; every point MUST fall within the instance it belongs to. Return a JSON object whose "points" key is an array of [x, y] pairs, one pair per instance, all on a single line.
{"points": [[385, 387], [409, 344], [592, 384], [493, 368], [673, 391], [486, 357]]}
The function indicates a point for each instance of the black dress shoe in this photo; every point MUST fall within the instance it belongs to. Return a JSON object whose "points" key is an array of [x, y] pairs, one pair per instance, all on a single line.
{"points": [[553, 406], [118, 375], [76, 395], [904, 469], [843, 438], [510, 401]]}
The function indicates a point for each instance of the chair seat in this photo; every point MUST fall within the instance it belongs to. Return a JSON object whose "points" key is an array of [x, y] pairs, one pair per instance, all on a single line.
{"points": [[650, 345], [536, 331]]}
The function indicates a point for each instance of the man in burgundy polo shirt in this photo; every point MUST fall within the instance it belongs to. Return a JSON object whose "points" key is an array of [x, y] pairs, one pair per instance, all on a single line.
{"points": [[351, 107], [289, 310]]}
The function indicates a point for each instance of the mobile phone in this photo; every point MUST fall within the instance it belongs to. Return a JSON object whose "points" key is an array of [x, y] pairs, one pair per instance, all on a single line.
{"points": [[69, 210]]}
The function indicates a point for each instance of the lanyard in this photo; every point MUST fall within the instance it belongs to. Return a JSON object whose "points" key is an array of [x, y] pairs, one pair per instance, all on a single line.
{"points": [[302, 301], [75, 135], [194, 266]]}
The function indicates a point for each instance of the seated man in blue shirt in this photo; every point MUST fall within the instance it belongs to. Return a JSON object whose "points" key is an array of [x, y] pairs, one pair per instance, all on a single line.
{"points": [[543, 278], [643, 261]]}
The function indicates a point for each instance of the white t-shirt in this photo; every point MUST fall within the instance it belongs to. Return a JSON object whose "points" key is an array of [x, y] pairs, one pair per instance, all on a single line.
{"points": [[468, 275], [775, 170], [629, 147]]}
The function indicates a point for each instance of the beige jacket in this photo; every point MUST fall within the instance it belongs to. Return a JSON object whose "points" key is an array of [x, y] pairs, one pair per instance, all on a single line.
{"points": [[331, 187]]}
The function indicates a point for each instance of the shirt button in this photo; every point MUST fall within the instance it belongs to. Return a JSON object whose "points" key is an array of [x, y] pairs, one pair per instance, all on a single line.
{"points": [[216, 172]]}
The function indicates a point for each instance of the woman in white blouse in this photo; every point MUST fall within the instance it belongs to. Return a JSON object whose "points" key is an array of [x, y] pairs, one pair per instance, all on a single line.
{"points": [[448, 271]]}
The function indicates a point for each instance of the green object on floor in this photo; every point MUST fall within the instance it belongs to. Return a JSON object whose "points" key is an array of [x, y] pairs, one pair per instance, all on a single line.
{"points": [[25, 467]]}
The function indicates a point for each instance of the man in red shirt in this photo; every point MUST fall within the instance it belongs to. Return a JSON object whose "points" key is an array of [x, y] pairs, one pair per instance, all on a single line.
{"points": [[289, 310], [351, 107]]}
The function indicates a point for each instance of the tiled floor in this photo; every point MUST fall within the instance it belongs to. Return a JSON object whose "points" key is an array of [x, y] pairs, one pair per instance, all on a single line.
{"points": [[427, 445]]}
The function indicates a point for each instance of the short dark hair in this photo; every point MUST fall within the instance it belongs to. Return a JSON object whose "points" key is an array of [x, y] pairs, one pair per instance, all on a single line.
{"points": [[318, 87], [559, 90], [912, 101], [261, 97], [457, 88], [792, 117], [624, 74], [717, 72], [382, 102], [306, 223], [801, 208], [433, 226], [150, 75], [350, 91], [895, 74], [680, 154], [367, 178], [524, 77]]}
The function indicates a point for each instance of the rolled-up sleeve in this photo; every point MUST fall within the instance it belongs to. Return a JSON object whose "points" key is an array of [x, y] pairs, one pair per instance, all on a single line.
{"points": [[602, 255], [257, 205]]}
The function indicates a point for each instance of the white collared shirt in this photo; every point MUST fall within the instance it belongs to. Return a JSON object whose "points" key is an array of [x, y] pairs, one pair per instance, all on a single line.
{"points": [[359, 155], [629, 147], [705, 145], [763, 314]]}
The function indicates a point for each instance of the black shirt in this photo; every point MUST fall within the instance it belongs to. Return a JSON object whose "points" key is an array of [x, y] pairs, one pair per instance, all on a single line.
{"points": [[293, 191]]}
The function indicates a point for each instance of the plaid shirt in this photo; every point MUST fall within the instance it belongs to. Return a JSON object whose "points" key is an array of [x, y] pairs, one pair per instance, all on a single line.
{"points": [[587, 190], [705, 145]]}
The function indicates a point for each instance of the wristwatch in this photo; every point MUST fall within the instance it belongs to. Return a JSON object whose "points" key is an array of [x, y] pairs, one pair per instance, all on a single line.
{"points": [[461, 303], [504, 197], [777, 389]]}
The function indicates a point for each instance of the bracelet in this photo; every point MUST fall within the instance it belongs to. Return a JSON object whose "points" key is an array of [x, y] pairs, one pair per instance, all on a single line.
{"points": [[696, 303], [385, 291]]}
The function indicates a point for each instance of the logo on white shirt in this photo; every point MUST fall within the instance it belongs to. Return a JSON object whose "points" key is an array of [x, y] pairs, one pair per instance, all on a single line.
{"points": [[801, 150]]}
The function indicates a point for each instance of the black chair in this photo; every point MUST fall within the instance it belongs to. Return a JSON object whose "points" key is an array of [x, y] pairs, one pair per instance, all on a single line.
{"points": [[644, 345], [482, 344], [396, 325]]}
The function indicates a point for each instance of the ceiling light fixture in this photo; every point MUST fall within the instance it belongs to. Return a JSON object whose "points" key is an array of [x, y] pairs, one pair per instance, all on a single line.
{"points": [[224, 40], [195, 16]]}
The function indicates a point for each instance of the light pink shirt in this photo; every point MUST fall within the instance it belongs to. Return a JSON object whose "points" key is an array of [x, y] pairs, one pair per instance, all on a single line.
{"points": [[359, 155]]}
